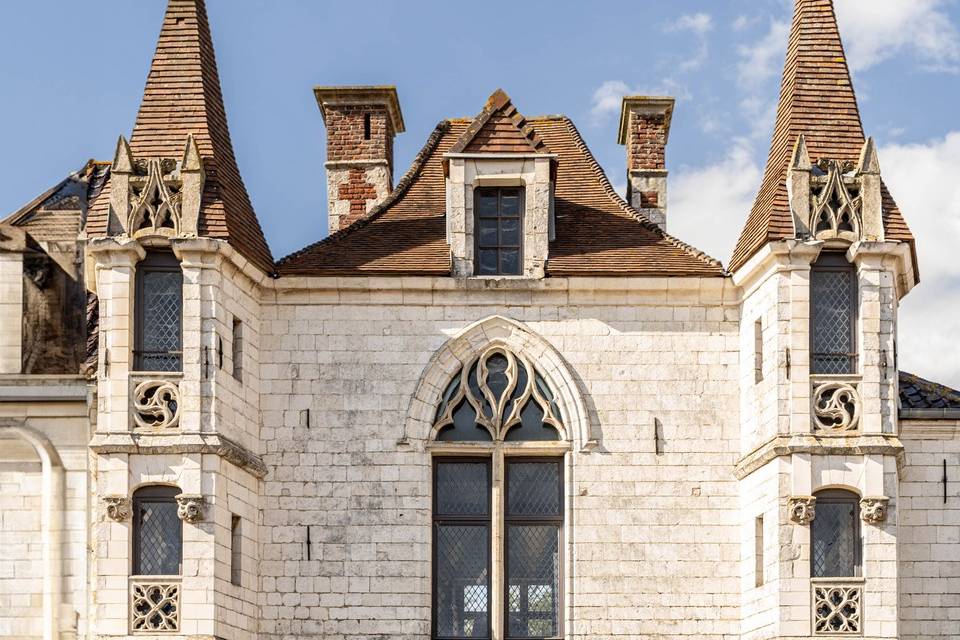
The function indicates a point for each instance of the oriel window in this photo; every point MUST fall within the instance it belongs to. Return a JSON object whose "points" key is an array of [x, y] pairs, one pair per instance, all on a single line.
{"points": [[157, 532], [833, 315], [835, 535], [498, 229], [158, 344]]}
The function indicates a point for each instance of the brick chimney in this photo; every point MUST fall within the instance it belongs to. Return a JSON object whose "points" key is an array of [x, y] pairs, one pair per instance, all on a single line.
{"points": [[361, 124], [644, 129]]}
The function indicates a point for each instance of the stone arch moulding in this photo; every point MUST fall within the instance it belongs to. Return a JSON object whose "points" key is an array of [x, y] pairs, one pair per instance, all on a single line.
{"points": [[51, 523], [510, 334]]}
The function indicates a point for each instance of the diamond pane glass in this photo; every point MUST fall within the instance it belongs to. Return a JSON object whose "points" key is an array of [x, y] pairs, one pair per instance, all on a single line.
{"points": [[462, 581], [834, 535], [532, 581], [833, 309], [159, 538], [533, 489], [160, 337], [463, 489]]}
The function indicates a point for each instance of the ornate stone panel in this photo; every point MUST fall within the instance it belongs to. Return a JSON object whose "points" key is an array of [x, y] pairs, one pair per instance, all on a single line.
{"points": [[836, 406], [154, 606], [156, 404], [837, 608]]}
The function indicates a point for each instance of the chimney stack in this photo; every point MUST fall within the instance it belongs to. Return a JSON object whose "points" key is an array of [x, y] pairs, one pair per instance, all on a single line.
{"points": [[361, 124], [645, 129]]}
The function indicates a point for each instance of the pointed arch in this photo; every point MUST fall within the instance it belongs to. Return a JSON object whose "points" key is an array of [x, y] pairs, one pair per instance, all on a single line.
{"points": [[509, 334]]}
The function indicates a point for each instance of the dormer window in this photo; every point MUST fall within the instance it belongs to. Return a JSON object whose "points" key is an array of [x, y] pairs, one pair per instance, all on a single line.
{"points": [[499, 230]]}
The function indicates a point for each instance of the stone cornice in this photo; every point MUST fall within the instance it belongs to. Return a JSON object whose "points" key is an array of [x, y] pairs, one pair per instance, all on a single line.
{"points": [[784, 445], [209, 443]]}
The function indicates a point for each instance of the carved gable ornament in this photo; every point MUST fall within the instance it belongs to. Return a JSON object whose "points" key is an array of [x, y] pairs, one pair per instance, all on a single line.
{"points": [[836, 199], [156, 196]]}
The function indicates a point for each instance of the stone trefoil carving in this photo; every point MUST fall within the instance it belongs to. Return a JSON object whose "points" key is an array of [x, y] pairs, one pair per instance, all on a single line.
{"points": [[156, 404], [190, 507], [155, 606], [118, 508], [835, 204], [873, 510], [802, 509], [837, 609], [836, 407], [155, 198]]}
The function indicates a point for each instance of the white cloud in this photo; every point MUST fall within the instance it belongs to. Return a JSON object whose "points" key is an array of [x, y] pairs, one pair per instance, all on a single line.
{"points": [[923, 179], [699, 23], [744, 22], [876, 31], [609, 95], [709, 204], [761, 60]]}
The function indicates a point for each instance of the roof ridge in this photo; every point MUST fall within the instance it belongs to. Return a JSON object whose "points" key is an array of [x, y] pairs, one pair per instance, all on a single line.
{"points": [[499, 102], [627, 208], [408, 179]]}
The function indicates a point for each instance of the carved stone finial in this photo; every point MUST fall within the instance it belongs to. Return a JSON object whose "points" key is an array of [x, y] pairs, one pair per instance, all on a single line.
{"points": [[193, 177], [190, 507], [123, 158], [803, 509], [801, 157], [118, 507], [873, 510], [869, 162]]}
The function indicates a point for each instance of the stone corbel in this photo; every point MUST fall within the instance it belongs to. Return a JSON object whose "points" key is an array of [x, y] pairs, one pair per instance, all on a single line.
{"points": [[802, 509], [873, 509], [117, 507], [190, 507]]}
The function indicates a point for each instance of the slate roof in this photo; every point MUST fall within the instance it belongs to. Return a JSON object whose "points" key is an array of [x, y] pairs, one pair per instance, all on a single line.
{"points": [[183, 96], [597, 233], [817, 100], [917, 393]]}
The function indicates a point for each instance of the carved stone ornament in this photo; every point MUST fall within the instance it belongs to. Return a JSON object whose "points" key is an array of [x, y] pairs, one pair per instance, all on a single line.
{"points": [[873, 510], [837, 609], [190, 507], [835, 203], [156, 404], [118, 508], [836, 407], [155, 198], [155, 606], [803, 509]]}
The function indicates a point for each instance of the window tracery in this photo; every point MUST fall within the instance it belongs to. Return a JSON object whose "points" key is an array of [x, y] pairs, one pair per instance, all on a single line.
{"points": [[498, 396], [835, 203]]}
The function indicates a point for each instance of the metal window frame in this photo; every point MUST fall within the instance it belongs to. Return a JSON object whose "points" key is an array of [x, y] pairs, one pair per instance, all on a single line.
{"points": [[836, 262], [840, 496], [438, 520], [477, 192], [527, 520], [153, 494], [154, 262]]}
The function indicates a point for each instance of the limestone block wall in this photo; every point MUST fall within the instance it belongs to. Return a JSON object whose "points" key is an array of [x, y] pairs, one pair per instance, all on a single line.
{"points": [[21, 554], [929, 531], [11, 312], [655, 527]]}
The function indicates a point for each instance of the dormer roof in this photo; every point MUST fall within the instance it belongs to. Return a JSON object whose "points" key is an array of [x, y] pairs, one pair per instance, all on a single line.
{"points": [[499, 128]]}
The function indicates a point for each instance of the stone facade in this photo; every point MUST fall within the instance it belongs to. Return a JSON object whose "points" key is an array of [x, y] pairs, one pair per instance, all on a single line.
{"points": [[289, 455]]}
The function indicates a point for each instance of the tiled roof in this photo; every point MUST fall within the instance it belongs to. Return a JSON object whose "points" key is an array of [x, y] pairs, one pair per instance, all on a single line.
{"points": [[817, 100], [182, 97], [597, 232], [499, 128], [57, 214], [917, 393]]}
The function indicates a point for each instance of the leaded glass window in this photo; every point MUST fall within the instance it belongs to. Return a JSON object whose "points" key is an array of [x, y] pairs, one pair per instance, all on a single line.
{"points": [[461, 548], [835, 535], [498, 230], [833, 314], [159, 314], [157, 532], [534, 518]]}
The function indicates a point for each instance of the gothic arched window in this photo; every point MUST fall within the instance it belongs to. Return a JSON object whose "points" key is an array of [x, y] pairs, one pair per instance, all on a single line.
{"points": [[492, 412], [158, 343], [157, 532], [833, 315], [835, 548]]}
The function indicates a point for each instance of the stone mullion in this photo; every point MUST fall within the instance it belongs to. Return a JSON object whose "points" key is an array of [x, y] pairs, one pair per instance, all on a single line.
{"points": [[498, 576]]}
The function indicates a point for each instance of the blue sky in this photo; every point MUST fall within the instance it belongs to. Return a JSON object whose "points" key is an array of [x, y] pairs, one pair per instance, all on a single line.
{"points": [[73, 74]]}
